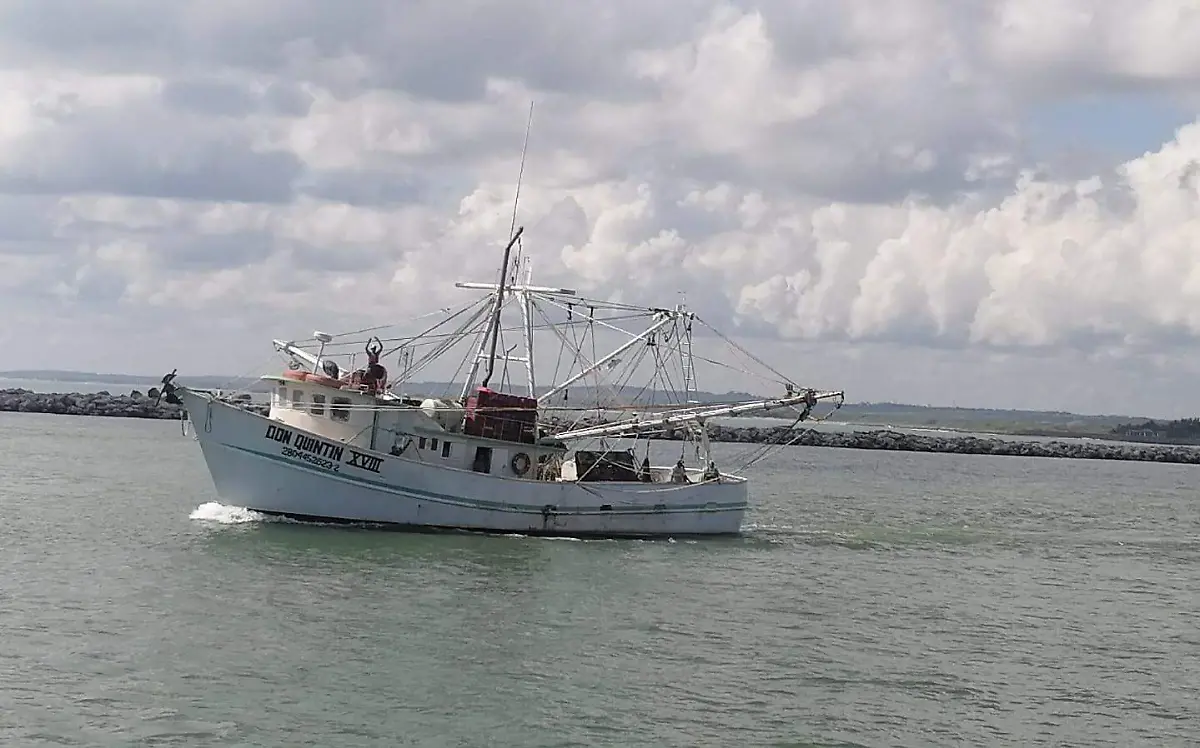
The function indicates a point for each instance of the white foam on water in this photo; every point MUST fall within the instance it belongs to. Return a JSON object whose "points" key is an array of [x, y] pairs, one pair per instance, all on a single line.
{"points": [[214, 511], [223, 514]]}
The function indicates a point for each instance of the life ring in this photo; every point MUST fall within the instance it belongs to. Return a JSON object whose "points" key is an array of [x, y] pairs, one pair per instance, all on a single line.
{"points": [[520, 463]]}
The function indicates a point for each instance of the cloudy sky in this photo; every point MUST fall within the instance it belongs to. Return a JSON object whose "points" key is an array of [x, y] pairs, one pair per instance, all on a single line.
{"points": [[981, 202]]}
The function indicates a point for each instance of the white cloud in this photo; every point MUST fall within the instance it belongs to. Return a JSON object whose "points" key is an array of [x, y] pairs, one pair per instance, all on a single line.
{"points": [[853, 178], [1056, 46]]}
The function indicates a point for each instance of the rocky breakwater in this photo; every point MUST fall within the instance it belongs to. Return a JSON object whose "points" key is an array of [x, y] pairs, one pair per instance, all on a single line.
{"points": [[898, 441], [133, 405]]}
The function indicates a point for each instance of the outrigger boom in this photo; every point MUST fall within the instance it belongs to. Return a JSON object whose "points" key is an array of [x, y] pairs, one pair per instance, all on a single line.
{"points": [[639, 424]]}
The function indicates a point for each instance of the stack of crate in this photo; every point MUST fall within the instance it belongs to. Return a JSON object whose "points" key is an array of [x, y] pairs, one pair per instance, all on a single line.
{"points": [[498, 415]]}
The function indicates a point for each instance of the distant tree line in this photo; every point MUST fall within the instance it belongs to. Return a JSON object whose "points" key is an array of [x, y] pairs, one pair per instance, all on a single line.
{"points": [[1183, 428]]}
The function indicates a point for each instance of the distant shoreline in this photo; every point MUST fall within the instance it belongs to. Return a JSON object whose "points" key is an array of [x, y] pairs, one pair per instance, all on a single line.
{"points": [[934, 419], [54, 376], [138, 404]]}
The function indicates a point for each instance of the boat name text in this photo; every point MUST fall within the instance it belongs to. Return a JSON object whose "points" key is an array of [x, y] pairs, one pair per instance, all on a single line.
{"points": [[364, 461], [320, 453], [309, 449]]}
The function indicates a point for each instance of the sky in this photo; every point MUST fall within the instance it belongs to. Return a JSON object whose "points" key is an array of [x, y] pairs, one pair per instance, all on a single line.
{"points": [[924, 201]]}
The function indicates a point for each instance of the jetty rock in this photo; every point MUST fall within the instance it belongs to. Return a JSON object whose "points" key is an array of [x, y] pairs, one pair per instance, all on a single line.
{"points": [[139, 405], [899, 441], [890, 440], [133, 405]]}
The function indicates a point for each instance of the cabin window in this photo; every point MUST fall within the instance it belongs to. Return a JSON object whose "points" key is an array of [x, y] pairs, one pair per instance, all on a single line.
{"points": [[445, 449], [340, 410], [483, 460], [421, 443], [318, 405], [433, 444], [298, 398], [281, 397]]}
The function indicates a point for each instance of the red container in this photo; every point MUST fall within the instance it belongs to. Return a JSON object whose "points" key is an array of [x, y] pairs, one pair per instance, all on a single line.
{"points": [[499, 415]]}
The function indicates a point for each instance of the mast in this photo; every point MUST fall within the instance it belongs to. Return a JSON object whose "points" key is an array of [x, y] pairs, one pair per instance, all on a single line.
{"points": [[495, 332], [527, 326], [689, 362], [527, 292]]}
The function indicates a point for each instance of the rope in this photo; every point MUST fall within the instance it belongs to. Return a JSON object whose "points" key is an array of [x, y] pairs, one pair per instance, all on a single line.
{"points": [[611, 386], [429, 335], [374, 328]]}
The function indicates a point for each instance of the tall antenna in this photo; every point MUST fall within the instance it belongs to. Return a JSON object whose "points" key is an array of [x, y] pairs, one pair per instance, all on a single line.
{"points": [[520, 176], [491, 339]]}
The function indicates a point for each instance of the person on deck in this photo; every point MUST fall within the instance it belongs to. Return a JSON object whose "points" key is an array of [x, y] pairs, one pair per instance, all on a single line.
{"points": [[375, 375]]}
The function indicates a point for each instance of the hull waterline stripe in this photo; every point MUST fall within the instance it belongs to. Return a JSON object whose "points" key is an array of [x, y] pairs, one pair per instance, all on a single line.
{"points": [[468, 530], [420, 494]]}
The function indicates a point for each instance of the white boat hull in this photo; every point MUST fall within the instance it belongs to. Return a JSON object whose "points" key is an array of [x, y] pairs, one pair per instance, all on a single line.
{"points": [[251, 467]]}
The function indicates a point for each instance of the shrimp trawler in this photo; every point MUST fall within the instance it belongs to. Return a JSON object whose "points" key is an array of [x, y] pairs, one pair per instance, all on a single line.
{"points": [[343, 443]]}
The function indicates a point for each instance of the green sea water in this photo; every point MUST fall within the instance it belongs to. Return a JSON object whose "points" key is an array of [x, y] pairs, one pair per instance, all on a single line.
{"points": [[877, 599]]}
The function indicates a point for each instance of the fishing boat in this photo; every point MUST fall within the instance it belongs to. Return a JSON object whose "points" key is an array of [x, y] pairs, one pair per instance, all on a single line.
{"points": [[341, 442]]}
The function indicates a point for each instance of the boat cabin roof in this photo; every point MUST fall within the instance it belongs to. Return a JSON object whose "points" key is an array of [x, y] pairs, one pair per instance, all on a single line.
{"points": [[316, 383]]}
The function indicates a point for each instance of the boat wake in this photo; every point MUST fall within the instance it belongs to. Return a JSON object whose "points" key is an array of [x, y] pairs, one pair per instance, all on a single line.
{"points": [[221, 514]]}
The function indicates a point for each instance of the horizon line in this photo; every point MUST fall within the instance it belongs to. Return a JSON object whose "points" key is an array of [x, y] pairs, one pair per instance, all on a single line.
{"points": [[33, 376]]}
